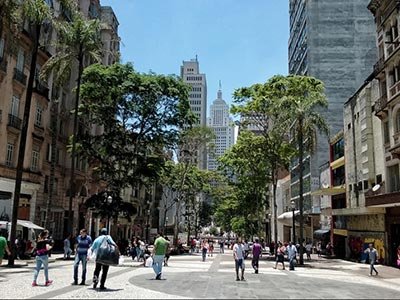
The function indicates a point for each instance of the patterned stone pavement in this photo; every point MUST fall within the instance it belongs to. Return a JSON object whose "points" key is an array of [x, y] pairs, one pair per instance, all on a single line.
{"points": [[188, 277]]}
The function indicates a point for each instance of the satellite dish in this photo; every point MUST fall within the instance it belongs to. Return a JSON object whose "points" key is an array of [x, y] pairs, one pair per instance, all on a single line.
{"points": [[376, 187]]}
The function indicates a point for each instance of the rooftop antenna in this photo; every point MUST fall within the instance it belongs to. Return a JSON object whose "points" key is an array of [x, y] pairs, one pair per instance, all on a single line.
{"points": [[220, 84]]}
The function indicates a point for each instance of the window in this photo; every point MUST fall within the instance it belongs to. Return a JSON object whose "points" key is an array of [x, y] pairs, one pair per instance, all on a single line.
{"points": [[394, 178], [386, 138], [1, 48], [14, 105], [35, 159], [10, 155], [39, 115], [20, 61]]}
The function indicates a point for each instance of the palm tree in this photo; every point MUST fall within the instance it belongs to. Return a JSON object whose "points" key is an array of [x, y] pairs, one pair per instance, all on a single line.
{"points": [[302, 103], [36, 13], [77, 40]]}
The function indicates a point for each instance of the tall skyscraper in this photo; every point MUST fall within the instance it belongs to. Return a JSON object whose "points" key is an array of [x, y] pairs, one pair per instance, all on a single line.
{"points": [[220, 123], [190, 74], [333, 41]]}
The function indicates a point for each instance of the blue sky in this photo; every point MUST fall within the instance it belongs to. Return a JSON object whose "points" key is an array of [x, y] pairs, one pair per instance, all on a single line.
{"points": [[237, 42]]}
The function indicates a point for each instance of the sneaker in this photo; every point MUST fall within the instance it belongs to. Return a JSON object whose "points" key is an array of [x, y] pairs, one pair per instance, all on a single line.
{"points": [[34, 283], [75, 282], [242, 279], [48, 282], [103, 288], [95, 281], [82, 283], [256, 272], [158, 277], [237, 279]]}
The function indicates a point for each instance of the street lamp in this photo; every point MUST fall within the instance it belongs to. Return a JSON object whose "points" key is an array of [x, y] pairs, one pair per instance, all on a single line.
{"points": [[293, 205], [108, 200], [147, 226]]}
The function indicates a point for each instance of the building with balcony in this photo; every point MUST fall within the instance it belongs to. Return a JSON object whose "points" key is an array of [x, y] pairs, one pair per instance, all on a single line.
{"points": [[49, 113], [386, 106]]}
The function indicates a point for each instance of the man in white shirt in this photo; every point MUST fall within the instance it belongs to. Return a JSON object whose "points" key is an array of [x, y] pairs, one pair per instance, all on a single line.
{"points": [[238, 255]]}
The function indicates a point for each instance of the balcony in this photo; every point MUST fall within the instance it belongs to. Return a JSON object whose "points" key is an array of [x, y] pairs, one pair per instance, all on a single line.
{"points": [[14, 122], [41, 89], [19, 76], [378, 67], [381, 107]]}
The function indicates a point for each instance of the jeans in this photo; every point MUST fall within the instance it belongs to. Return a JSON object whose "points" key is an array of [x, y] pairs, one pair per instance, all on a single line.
{"points": [[78, 258], [67, 252], [291, 262], [203, 253], [158, 263], [42, 260], [254, 262], [372, 268]]}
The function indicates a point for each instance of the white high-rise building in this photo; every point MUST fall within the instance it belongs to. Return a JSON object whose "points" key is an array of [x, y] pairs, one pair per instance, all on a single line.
{"points": [[220, 123], [190, 74]]}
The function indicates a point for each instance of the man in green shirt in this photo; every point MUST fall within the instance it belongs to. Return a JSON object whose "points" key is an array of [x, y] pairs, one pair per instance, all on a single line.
{"points": [[158, 253], [3, 246]]}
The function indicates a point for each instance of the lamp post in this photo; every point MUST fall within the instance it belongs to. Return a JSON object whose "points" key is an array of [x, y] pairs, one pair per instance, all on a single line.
{"points": [[108, 200], [147, 225], [293, 205]]}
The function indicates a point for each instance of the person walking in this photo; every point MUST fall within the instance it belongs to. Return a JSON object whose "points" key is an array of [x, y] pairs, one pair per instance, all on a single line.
{"points": [[292, 252], [158, 253], [308, 250], [255, 253], [238, 255], [204, 247], [67, 247], [3, 247], [221, 245], [83, 243], [43, 246], [280, 255], [167, 252], [100, 267], [373, 257]]}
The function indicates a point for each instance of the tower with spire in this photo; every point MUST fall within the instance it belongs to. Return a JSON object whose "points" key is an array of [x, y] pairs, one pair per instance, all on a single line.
{"points": [[220, 123]]}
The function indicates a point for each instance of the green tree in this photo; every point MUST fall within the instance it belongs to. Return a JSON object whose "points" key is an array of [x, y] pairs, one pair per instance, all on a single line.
{"points": [[302, 101], [258, 104], [249, 169], [141, 115], [36, 13], [75, 40]]}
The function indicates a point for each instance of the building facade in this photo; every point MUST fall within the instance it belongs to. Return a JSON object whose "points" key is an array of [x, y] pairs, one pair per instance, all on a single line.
{"points": [[49, 113], [332, 41], [190, 74], [386, 106], [220, 122]]}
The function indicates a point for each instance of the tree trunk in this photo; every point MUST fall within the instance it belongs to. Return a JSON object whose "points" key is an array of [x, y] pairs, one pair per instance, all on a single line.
{"points": [[54, 117], [301, 198], [22, 143], [73, 151]]}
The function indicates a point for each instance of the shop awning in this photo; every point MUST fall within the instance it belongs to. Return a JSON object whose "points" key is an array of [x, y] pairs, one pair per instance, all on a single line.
{"points": [[29, 224], [330, 191], [321, 232], [287, 217]]}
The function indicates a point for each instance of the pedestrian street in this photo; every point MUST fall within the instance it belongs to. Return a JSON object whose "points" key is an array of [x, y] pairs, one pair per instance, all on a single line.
{"points": [[188, 277]]}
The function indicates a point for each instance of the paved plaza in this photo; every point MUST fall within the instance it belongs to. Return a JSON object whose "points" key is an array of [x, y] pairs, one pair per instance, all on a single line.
{"points": [[188, 277]]}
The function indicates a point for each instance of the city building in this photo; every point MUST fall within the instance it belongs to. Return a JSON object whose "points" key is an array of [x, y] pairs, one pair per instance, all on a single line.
{"points": [[332, 41], [50, 112], [221, 124], [190, 74], [386, 103]]}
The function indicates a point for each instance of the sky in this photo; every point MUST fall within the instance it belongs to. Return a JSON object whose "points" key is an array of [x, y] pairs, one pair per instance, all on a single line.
{"points": [[238, 42]]}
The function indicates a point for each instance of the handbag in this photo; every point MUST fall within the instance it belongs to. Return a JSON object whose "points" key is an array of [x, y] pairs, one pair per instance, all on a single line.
{"points": [[107, 254]]}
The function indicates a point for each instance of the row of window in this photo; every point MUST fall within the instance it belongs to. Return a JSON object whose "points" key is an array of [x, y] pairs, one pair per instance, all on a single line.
{"points": [[194, 78]]}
